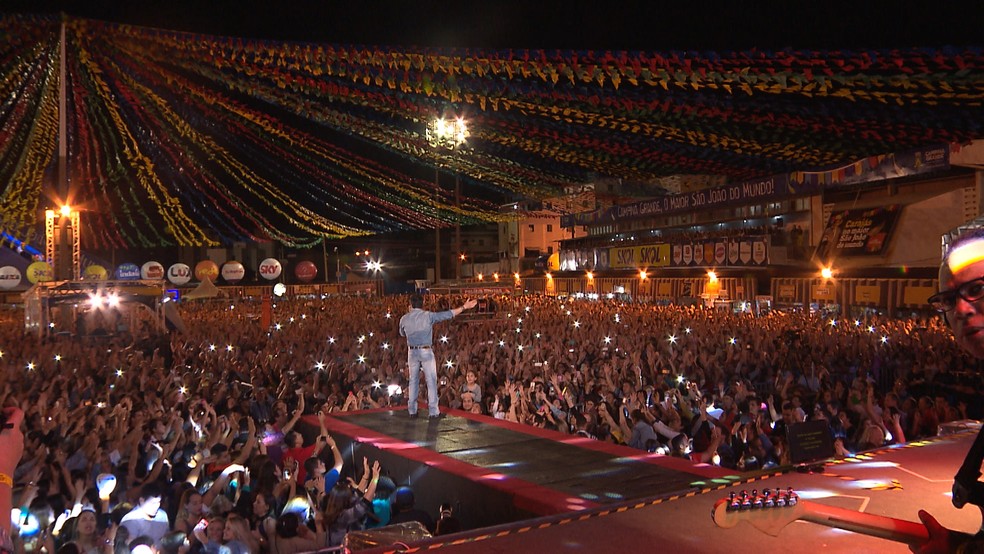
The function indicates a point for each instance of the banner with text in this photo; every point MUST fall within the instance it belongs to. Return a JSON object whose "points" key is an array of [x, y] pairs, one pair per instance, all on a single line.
{"points": [[711, 198], [751, 251], [639, 257], [801, 183], [858, 232], [875, 168]]}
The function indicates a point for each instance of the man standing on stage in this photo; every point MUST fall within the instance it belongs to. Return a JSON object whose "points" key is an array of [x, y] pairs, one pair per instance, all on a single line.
{"points": [[961, 301], [418, 327]]}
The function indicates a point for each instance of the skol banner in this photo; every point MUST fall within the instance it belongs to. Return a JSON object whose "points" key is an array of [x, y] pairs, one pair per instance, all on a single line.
{"points": [[95, 273], [39, 272], [640, 257]]}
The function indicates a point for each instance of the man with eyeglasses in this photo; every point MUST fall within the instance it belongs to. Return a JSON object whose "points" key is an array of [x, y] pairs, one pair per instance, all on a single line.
{"points": [[961, 301]]}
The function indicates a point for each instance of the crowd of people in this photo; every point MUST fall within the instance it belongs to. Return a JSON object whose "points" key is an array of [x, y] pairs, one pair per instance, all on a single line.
{"points": [[198, 430]]}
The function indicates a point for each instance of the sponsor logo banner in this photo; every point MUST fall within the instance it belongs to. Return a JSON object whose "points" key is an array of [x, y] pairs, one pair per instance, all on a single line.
{"points": [[637, 257], [747, 251]]}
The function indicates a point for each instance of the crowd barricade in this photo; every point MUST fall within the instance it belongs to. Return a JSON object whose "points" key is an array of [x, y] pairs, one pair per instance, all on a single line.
{"points": [[648, 288], [372, 288], [889, 295], [856, 295]]}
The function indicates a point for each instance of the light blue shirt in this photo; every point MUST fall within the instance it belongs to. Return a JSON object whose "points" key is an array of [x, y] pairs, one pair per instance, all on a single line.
{"points": [[418, 326]]}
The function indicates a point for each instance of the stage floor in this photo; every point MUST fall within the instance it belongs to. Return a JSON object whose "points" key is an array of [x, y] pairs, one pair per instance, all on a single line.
{"points": [[596, 497], [577, 468]]}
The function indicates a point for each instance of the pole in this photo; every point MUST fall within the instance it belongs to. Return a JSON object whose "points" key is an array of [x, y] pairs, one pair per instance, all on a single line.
{"points": [[457, 224], [61, 237], [437, 230], [62, 123], [324, 255]]}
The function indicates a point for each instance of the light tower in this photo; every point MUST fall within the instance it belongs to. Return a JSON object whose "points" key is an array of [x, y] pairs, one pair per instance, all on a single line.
{"points": [[449, 134], [58, 228]]}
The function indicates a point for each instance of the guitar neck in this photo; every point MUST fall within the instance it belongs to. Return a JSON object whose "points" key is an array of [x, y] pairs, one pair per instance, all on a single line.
{"points": [[898, 530]]}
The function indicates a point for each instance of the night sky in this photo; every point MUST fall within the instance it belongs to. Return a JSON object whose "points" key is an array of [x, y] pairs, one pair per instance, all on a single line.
{"points": [[649, 25]]}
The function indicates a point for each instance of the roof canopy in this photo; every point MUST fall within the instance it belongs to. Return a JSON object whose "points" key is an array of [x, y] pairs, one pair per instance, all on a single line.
{"points": [[186, 139]]}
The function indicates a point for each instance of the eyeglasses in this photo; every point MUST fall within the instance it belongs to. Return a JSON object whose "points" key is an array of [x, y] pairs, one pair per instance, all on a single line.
{"points": [[971, 291]]}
